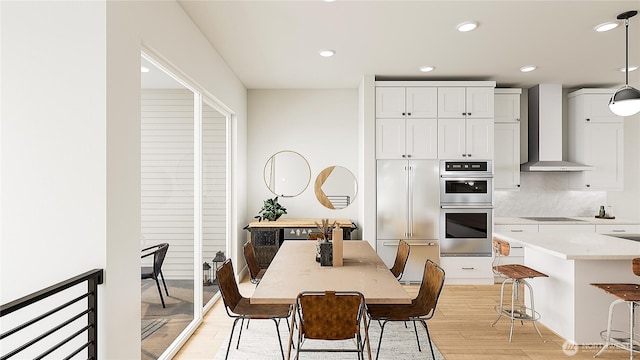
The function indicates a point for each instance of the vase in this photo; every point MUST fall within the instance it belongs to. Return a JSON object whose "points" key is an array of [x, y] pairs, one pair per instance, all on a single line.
{"points": [[326, 254]]}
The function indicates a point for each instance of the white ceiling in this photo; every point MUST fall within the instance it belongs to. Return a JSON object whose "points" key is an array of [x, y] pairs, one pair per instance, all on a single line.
{"points": [[275, 44]]}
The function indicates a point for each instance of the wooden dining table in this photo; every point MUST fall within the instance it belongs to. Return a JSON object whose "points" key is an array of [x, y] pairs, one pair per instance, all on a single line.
{"points": [[294, 269]]}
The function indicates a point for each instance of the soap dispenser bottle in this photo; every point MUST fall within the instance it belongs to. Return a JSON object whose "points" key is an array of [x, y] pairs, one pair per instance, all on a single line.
{"points": [[601, 213]]}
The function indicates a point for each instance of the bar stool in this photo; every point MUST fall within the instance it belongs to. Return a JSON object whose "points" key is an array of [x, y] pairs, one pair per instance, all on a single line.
{"points": [[517, 275], [626, 294]]}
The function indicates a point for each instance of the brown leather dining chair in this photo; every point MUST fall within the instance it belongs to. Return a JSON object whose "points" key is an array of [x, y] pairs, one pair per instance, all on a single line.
{"points": [[155, 270], [255, 272], [240, 307], [402, 256], [421, 309], [330, 315]]}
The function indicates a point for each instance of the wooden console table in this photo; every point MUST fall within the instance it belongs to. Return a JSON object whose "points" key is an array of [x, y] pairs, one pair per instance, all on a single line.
{"points": [[267, 236]]}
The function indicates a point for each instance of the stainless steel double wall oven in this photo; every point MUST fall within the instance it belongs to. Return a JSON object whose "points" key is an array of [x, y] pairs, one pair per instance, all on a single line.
{"points": [[466, 207]]}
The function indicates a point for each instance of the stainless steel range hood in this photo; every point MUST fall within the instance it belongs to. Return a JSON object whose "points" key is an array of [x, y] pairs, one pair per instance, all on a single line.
{"points": [[545, 131]]}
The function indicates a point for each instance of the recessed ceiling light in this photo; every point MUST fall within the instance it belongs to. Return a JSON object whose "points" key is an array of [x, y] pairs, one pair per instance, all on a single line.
{"points": [[329, 0], [326, 53], [144, 69], [467, 26], [426, 68], [527, 68], [631, 68], [606, 26]]}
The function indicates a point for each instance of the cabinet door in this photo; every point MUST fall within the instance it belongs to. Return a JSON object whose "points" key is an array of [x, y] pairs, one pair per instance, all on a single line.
{"points": [[390, 102], [479, 102], [618, 229], [451, 102], [506, 159], [479, 138], [422, 102], [507, 108], [517, 228], [390, 139], [574, 228], [604, 151], [422, 138], [596, 108], [451, 139]]}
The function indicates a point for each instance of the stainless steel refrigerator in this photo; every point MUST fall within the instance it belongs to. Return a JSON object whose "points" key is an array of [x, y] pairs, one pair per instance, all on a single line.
{"points": [[408, 207]]}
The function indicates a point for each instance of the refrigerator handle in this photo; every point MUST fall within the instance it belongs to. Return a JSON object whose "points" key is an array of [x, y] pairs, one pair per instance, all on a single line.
{"points": [[410, 202]]}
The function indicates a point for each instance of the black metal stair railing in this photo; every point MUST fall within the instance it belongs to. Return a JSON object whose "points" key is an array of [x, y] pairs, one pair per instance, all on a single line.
{"points": [[28, 338]]}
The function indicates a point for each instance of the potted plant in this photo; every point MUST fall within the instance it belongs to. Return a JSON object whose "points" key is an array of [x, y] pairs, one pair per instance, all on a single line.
{"points": [[271, 210]]}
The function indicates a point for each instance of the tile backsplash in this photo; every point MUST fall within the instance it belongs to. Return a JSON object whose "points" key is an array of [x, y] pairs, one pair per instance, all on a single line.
{"points": [[547, 194]]}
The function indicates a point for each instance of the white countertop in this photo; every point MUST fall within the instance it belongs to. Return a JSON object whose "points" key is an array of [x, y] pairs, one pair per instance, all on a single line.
{"points": [[578, 220], [576, 246]]}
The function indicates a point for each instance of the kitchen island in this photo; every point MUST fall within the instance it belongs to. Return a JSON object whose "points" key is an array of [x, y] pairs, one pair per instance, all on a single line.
{"points": [[566, 301]]}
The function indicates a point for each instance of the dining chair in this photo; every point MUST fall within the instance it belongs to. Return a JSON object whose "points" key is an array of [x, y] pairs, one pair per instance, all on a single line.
{"points": [[255, 272], [155, 271], [240, 307], [402, 256], [330, 315], [421, 309], [517, 275]]}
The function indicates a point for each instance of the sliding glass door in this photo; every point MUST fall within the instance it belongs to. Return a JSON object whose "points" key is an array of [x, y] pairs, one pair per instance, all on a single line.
{"points": [[184, 204]]}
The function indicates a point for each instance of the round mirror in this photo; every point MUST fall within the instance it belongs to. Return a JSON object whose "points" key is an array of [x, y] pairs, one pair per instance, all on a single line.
{"points": [[287, 173], [336, 187]]}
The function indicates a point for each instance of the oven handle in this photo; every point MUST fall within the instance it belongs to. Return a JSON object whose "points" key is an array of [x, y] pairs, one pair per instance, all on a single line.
{"points": [[466, 206]]}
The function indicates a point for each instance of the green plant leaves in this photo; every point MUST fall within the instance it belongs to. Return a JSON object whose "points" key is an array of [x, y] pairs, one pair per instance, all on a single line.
{"points": [[271, 210]]}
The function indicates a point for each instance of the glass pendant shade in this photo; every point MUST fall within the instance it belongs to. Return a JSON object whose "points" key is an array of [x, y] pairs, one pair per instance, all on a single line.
{"points": [[625, 101]]}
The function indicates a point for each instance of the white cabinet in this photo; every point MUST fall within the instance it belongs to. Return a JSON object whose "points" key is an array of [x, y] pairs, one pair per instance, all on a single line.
{"points": [[467, 270], [465, 138], [596, 139], [518, 228], [406, 138], [507, 105], [506, 159], [465, 122], [574, 228], [406, 123], [400, 101], [465, 102], [618, 229]]}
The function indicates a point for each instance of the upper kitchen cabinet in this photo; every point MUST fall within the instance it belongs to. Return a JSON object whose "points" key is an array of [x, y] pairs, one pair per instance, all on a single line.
{"points": [[465, 138], [406, 123], [507, 105], [465, 122], [506, 161], [465, 102], [596, 139], [400, 102]]}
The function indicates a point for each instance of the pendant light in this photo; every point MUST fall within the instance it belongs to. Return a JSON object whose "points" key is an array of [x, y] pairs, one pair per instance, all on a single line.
{"points": [[626, 100]]}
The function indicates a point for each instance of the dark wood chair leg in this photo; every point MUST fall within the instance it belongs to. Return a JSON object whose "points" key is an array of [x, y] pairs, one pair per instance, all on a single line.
{"points": [[160, 292]]}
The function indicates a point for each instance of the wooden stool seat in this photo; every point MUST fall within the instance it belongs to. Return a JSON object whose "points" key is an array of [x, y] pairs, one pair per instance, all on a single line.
{"points": [[517, 275], [626, 292], [517, 271]]}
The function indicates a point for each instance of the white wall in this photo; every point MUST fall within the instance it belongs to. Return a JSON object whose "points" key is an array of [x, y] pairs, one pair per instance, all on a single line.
{"points": [[52, 167], [321, 125], [70, 169]]}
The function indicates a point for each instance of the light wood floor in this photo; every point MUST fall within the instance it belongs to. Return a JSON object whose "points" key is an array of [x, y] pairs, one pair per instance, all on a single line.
{"points": [[461, 329]]}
